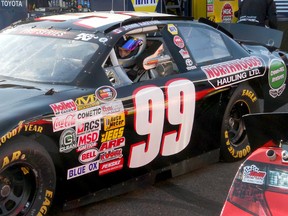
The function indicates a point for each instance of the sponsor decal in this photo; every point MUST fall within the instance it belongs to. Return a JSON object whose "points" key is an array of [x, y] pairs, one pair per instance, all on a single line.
{"points": [[63, 122], [112, 134], [277, 77], [251, 174], [88, 37], [147, 5], [235, 71], [110, 155], [184, 53], [86, 102], [250, 94], [90, 126], [210, 6], [63, 107], [88, 155], [114, 121], [113, 107], [178, 41], [44, 32], [105, 94], [15, 156], [82, 170], [90, 113], [111, 166], [112, 144], [12, 3], [227, 13], [46, 203], [172, 29], [87, 141], [68, 140]]}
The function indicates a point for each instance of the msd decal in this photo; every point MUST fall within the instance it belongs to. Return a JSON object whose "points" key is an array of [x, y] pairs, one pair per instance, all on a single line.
{"points": [[235, 71], [86, 141]]}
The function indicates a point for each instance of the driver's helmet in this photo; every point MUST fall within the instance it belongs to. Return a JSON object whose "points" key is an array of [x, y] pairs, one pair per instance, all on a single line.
{"points": [[129, 49]]}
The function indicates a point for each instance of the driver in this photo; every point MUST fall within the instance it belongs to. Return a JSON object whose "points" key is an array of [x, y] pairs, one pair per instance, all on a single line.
{"points": [[128, 49]]}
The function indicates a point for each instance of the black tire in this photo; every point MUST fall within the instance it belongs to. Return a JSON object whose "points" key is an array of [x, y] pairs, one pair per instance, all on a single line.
{"points": [[27, 178], [234, 142]]}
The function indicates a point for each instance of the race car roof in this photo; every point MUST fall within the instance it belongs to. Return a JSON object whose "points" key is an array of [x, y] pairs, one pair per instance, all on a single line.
{"points": [[96, 21]]}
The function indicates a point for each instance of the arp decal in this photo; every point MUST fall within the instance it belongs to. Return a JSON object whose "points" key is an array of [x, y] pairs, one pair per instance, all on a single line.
{"points": [[149, 102], [235, 71], [252, 174], [112, 144], [277, 77]]}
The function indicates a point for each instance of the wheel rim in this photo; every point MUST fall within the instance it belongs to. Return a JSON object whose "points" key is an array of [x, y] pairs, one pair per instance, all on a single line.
{"points": [[236, 127], [17, 190]]}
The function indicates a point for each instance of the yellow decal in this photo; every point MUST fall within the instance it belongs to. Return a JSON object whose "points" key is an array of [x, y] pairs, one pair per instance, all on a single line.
{"points": [[114, 121], [249, 94], [15, 156], [112, 134], [46, 203], [86, 102]]}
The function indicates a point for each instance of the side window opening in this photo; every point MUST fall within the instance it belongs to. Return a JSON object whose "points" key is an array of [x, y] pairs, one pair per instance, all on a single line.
{"points": [[204, 44], [139, 57]]}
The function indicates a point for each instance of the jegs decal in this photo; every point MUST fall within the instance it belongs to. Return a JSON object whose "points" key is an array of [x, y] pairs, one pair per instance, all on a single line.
{"points": [[150, 114]]}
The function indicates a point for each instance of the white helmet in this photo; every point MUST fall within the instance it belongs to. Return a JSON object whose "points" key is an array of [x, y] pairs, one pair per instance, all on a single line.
{"points": [[136, 44]]}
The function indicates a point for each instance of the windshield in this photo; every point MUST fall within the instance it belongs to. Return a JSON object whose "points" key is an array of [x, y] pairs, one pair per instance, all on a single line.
{"points": [[43, 59]]}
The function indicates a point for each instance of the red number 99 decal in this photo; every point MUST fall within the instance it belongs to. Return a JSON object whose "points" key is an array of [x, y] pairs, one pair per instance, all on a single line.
{"points": [[149, 104]]}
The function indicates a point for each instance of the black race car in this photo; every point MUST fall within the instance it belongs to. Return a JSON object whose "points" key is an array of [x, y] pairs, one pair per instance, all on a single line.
{"points": [[96, 104]]}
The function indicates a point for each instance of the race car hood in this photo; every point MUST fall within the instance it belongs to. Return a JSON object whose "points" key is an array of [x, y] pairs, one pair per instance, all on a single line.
{"points": [[24, 101]]}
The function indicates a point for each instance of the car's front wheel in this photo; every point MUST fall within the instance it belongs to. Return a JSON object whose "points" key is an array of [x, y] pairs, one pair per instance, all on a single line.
{"points": [[234, 142], [27, 178]]}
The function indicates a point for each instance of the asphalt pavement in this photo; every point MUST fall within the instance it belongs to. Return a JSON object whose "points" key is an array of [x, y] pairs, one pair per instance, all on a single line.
{"points": [[201, 192]]}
